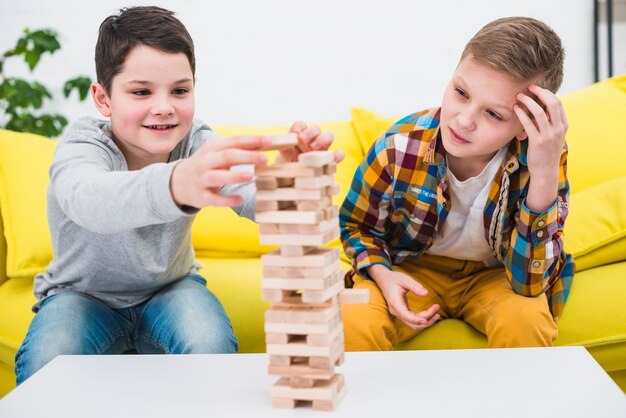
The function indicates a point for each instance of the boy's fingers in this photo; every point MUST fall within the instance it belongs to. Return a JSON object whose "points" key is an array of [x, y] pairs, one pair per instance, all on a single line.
{"points": [[233, 156], [529, 126], [323, 141], [552, 103], [219, 178], [338, 156], [537, 111], [297, 127], [305, 138], [414, 287], [249, 142]]}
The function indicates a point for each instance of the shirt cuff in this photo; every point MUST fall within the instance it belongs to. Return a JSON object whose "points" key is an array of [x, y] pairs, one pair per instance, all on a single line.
{"points": [[538, 228]]}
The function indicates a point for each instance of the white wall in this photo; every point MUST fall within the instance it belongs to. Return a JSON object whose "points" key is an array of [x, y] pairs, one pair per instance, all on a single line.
{"points": [[274, 61]]}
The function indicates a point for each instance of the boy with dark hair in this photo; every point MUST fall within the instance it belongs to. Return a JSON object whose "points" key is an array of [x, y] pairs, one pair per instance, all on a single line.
{"points": [[458, 211], [121, 200]]}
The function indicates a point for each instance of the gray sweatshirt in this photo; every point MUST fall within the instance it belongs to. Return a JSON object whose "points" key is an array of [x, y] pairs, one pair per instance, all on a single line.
{"points": [[116, 234]]}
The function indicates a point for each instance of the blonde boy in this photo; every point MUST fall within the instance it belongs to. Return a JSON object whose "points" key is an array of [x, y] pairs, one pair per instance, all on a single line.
{"points": [[458, 211]]}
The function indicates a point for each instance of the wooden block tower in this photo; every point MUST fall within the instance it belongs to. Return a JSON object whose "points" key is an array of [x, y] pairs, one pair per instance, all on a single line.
{"points": [[302, 280]]}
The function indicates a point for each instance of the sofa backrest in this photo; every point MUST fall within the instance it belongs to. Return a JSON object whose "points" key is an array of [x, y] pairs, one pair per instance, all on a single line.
{"points": [[25, 247]]}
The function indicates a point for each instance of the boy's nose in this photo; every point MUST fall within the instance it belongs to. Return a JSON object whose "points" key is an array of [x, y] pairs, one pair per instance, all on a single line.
{"points": [[162, 106], [466, 120]]}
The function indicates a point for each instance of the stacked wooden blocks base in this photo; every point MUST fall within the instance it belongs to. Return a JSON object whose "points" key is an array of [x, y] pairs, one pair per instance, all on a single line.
{"points": [[303, 281]]}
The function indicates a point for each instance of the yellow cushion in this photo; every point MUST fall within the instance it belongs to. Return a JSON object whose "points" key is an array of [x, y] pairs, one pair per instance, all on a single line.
{"points": [[3, 253], [24, 163], [595, 230], [220, 231], [597, 133], [369, 126]]}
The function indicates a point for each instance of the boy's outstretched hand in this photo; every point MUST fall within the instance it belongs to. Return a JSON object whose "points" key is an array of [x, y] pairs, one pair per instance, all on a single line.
{"points": [[546, 139], [310, 138], [197, 181], [395, 285]]}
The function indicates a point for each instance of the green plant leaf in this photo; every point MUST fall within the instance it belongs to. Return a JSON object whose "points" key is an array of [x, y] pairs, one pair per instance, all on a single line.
{"points": [[82, 84]]}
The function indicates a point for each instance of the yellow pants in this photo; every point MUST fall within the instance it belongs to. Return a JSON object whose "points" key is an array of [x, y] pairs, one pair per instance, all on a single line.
{"points": [[465, 290]]}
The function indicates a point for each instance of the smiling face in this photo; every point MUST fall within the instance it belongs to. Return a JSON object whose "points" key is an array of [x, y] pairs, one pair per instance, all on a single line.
{"points": [[151, 104], [477, 117]]}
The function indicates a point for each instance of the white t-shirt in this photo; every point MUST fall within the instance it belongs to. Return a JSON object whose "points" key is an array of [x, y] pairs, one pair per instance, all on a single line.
{"points": [[462, 235]]}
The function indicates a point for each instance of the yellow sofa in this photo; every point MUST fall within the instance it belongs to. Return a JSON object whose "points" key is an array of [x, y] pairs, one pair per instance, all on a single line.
{"points": [[228, 247]]}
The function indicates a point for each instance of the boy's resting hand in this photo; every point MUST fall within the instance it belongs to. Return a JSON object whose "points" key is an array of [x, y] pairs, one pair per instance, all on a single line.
{"points": [[310, 138], [197, 181], [395, 286]]}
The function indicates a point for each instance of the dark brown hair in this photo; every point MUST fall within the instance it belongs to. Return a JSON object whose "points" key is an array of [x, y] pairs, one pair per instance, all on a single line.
{"points": [[146, 25], [525, 48]]}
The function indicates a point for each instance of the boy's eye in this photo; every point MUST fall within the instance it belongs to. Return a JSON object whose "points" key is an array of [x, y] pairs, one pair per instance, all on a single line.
{"points": [[180, 91], [494, 115], [142, 92], [461, 92]]}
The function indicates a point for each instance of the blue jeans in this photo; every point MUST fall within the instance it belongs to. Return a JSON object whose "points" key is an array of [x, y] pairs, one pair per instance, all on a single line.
{"points": [[183, 318]]}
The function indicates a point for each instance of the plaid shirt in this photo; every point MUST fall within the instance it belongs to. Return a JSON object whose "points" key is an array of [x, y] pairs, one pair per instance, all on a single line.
{"points": [[400, 198]]}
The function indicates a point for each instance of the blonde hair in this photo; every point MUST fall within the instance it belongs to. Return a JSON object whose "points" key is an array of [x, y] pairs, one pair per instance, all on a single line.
{"points": [[525, 48]]}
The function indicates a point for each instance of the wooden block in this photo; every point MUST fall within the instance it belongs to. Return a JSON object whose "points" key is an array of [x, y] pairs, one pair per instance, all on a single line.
{"points": [[284, 403], [288, 170], [274, 206], [301, 382], [300, 327], [323, 203], [327, 362], [266, 183], [323, 226], [340, 360], [280, 361], [324, 390], [330, 169], [354, 296], [302, 370], [301, 348], [300, 239], [290, 217], [316, 158], [319, 405], [296, 301], [314, 182], [331, 212], [300, 316], [325, 339], [282, 141], [318, 283], [269, 229], [285, 181], [292, 272], [321, 296], [317, 258], [275, 295], [290, 194], [330, 190], [295, 250], [276, 338]]}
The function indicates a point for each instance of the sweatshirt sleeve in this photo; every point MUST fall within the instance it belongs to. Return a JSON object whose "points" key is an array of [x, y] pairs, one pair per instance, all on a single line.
{"points": [[100, 199]]}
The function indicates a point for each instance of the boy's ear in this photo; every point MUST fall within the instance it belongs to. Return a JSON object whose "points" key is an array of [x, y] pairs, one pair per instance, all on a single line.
{"points": [[522, 135], [100, 99]]}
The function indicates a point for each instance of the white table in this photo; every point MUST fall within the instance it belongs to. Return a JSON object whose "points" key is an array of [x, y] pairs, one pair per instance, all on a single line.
{"points": [[554, 382]]}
